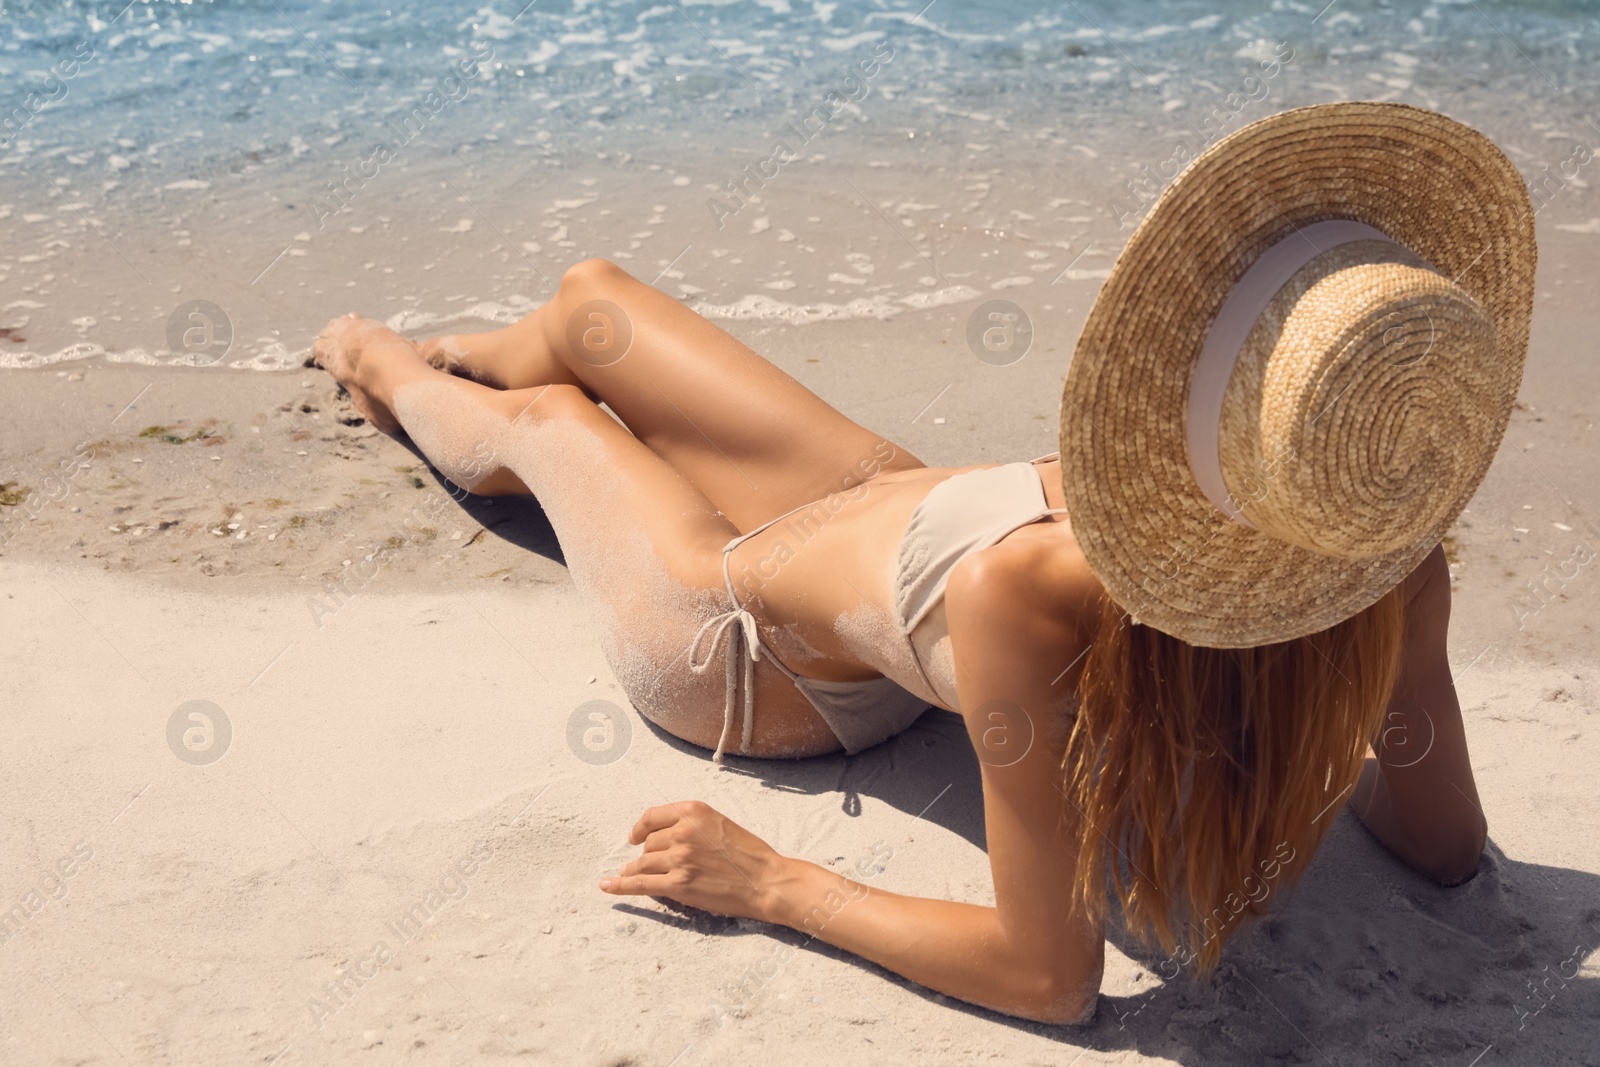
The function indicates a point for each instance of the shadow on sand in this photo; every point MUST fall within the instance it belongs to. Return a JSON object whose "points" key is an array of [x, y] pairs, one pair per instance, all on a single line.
{"points": [[519, 520]]}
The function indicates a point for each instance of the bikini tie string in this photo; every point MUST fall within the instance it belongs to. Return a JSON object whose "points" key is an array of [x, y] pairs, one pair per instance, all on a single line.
{"points": [[740, 627]]}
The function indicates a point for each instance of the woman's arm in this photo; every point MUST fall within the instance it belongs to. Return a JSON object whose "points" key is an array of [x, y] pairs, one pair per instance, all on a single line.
{"points": [[1013, 623], [1030, 955], [964, 950], [1417, 795], [699, 857]]}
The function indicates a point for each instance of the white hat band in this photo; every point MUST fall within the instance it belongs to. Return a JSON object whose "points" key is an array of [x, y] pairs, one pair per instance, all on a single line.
{"points": [[1249, 297]]}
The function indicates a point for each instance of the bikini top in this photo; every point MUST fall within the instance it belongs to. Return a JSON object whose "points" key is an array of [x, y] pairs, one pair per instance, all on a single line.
{"points": [[963, 514]]}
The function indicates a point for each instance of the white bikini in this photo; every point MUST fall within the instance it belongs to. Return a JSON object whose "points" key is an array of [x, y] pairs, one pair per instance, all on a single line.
{"points": [[963, 514]]}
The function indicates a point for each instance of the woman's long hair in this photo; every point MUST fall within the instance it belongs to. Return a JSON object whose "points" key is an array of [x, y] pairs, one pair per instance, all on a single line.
{"points": [[1204, 778]]}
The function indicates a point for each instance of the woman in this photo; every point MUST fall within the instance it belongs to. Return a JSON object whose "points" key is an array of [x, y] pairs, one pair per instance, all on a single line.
{"points": [[1289, 387]]}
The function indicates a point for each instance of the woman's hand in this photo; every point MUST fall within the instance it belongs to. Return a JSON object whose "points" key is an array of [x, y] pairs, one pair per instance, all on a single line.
{"points": [[697, 856]]}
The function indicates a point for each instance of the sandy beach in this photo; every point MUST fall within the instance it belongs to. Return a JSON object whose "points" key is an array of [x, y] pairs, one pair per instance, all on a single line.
{"points": [[216, 540], [299, 762]]}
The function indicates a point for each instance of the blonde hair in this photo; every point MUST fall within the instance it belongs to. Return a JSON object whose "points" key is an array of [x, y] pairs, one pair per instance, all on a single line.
{"points": [[1204, 778]]}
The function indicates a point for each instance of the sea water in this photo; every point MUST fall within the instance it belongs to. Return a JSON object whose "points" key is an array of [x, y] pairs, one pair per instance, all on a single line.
{"points": [[206, 183]]}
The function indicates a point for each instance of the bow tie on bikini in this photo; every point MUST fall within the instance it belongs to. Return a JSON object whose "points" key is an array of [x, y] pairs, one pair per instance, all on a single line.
{"points": [[743, 631]]}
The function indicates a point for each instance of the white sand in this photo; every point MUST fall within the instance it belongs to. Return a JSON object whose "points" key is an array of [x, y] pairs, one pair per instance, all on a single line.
{"points": [[369, 756]]}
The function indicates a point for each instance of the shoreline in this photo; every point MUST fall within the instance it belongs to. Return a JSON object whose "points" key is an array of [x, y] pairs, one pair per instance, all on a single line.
{"points": [[299, 484]]}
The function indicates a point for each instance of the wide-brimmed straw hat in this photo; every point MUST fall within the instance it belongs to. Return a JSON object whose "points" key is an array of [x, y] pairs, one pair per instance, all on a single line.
{"points": [[1299, 371]]}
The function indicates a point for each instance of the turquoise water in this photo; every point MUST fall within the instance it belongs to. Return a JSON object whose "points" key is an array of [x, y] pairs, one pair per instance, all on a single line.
{"points": [[139, 141], [180, 88]]}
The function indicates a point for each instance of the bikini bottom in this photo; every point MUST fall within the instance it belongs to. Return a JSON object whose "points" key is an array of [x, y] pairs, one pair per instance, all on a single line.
{"points": [[860, 714]]}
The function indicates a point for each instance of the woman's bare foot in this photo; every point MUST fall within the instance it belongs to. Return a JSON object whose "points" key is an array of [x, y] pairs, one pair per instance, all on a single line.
{"points": [[515, 357], [452, 356], [355, 350], [480, 357]]}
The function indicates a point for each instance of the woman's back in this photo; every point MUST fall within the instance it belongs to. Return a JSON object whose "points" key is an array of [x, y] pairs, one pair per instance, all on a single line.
{"points": [[852, 585]]}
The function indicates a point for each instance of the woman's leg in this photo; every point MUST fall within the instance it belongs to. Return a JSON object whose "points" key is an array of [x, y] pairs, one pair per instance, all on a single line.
{"points": [[750, 437], [643, 545]]}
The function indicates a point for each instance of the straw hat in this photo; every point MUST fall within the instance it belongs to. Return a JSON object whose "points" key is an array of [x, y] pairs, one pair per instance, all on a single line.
{"points": [[1298, 371]]}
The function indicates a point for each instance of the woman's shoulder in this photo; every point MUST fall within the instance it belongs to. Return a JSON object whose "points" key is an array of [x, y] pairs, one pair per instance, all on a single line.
{"points": [[1431, 577], [1035, 582]]}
